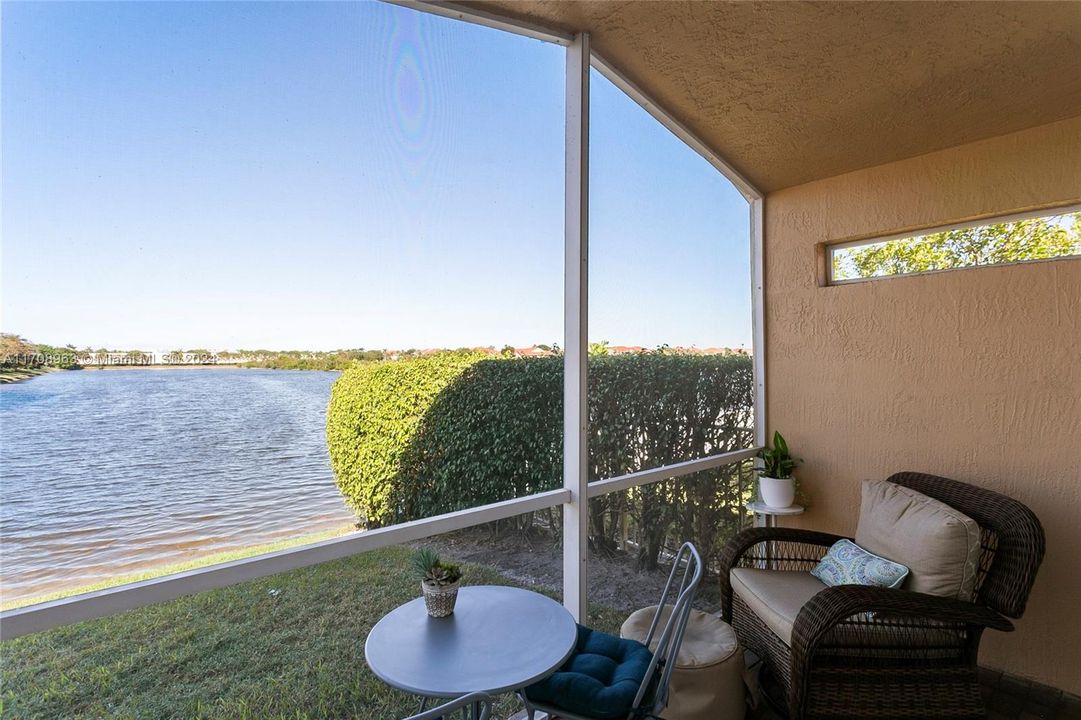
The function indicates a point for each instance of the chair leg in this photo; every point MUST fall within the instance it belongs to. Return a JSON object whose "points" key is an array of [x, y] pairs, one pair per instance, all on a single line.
{"points": [[529, 711]]}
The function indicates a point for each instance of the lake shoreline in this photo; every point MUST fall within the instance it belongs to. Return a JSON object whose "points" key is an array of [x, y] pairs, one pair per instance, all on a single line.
{"points": [[152, 571], [22, 374], [195, 367], [162, 367]]}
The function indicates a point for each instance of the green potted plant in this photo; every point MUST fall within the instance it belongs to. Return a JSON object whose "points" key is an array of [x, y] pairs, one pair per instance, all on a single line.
{"points": [[439, 581], [775, 481]]}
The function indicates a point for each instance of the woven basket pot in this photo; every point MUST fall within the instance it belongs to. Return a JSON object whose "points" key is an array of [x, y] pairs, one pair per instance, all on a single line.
{"points": [[439, 600]]}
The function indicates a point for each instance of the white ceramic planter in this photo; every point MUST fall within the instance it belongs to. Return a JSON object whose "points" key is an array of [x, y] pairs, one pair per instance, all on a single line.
{"points": [[777, 493]]}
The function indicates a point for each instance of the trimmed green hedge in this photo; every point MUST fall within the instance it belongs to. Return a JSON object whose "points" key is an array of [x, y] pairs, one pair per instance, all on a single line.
{"points": [[415, 438], [374, 412], [495, 433], [654, 409]]}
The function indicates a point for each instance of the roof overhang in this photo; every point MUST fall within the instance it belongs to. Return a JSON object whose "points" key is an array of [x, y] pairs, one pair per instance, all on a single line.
{"points": [[789, 92]]}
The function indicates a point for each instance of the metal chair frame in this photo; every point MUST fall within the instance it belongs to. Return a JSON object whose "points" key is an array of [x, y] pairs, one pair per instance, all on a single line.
{"points": [[668, 644]]}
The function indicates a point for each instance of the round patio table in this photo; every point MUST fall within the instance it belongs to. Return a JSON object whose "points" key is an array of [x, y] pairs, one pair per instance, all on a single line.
{"points": [[497, 639]]}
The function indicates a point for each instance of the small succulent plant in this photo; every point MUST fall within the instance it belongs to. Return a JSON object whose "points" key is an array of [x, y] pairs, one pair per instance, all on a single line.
{"points": [[432, 570]]}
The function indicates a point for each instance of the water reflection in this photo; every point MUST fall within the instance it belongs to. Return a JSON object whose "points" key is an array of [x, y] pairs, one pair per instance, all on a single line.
{"points": [[109, 472]]}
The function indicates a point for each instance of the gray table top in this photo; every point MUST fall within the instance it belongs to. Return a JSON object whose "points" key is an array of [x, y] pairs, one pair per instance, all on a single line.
{"points": [[498, 639]]}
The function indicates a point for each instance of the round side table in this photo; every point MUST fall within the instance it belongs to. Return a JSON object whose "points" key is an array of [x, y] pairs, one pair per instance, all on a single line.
{"points": [[766, 516], [497, 640]]}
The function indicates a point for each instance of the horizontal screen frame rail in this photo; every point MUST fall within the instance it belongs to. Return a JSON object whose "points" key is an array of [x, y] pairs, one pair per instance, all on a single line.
{"points": [[669, 472], [110, 601]]}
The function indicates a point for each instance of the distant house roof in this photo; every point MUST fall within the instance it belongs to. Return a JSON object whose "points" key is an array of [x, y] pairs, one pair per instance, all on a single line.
{"points": [[533, 351]]}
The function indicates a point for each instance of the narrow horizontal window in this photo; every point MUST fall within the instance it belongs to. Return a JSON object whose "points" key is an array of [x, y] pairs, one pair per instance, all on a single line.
{"points": [[1018, 238]]}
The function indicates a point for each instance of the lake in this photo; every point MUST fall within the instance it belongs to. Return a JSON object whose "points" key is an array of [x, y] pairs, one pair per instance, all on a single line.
{"points": [[110, 472]]}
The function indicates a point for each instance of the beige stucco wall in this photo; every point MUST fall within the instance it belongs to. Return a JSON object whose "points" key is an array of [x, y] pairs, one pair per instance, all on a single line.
{"points": [[973, 374]]}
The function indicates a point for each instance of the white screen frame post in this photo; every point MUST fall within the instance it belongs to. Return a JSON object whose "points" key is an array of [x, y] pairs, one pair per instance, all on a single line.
{"points": [[575, 330], [758, 316]]}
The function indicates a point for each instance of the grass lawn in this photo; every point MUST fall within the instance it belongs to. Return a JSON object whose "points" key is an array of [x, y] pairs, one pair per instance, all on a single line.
{"points": [[290, 646]]}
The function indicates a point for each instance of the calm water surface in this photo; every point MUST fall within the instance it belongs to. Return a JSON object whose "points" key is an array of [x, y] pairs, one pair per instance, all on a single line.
{"points": [[104, 473]]}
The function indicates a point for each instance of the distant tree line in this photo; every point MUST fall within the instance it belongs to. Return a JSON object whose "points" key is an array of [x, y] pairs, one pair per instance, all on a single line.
{"points": [[18, 352], [306, 360]]}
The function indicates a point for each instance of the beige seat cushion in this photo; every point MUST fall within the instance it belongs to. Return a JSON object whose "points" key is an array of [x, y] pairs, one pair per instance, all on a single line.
{"points": [[775, 596], [708, 640], [938, 544]]}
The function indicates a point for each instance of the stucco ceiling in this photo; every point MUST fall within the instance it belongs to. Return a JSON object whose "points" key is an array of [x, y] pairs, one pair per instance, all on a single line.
{"points": [[789, 92]]}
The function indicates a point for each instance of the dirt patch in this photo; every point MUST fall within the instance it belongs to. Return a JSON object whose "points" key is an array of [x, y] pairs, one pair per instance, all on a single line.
{"points": [[536, 560]]}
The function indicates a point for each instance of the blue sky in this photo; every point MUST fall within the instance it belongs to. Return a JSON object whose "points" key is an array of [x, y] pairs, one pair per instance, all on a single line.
{"points": [[325, 175]]}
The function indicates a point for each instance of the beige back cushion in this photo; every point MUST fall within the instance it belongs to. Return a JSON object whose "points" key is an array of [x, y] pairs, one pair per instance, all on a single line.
{"points": [[939, 545]]}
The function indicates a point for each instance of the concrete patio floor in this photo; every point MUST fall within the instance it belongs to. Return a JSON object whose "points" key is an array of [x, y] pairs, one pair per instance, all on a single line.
{"points": [[1007, 698]]}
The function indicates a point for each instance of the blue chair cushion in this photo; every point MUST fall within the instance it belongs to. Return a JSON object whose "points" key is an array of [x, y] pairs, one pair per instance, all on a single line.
{"points": [[599, 680]]}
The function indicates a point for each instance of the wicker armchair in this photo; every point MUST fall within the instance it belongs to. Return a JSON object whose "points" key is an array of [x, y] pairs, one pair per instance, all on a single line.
{"points": [[868, 652]]}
